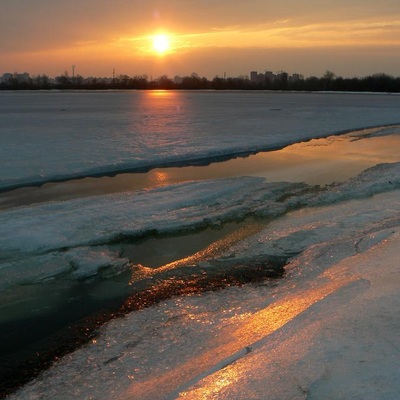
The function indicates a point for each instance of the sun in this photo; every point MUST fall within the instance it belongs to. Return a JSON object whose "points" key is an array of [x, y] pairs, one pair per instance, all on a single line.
{"points": [[161, 43]]}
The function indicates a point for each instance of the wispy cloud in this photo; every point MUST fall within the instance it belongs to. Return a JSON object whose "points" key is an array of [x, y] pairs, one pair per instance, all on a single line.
{"points": [[281, 34]]}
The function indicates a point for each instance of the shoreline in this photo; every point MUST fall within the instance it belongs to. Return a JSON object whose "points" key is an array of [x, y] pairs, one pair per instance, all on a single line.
{"points": [[190, 162], [291, 163]]}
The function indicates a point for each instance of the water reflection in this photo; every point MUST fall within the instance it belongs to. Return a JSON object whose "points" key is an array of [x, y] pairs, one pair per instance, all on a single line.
{"points": [[161, 177], [317, 162]]}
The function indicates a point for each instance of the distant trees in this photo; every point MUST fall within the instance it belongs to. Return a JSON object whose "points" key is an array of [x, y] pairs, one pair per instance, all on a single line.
{"points": [[193, 82], [41, 81], [65, 81], [380, 82]]}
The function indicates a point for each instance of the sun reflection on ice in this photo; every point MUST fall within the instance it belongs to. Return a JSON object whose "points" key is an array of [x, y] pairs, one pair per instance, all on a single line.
{"points": [[210, 372], [226, 378]]}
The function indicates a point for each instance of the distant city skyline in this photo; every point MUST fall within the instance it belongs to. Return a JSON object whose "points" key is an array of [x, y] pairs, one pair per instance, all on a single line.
{"points": [[253, 76], [281, 81], [349, 37], [9, 78]]}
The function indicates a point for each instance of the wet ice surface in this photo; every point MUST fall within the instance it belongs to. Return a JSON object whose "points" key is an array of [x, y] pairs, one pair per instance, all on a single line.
{"points": [[328, 330]]}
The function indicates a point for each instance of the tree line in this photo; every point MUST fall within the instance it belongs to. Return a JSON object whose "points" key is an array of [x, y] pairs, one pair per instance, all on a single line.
{"points": [[328, 82]]}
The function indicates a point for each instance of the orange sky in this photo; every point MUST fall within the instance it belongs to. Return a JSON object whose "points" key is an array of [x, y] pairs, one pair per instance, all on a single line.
{"points": [[211, 37]]}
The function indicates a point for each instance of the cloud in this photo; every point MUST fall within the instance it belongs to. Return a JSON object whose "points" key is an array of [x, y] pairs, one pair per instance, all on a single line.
{"points": [[52, 24], [98, 33]]}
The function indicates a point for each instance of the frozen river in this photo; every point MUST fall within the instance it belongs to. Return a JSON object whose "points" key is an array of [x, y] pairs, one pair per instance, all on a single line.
{"points": [[49, 136], [73, 247]]}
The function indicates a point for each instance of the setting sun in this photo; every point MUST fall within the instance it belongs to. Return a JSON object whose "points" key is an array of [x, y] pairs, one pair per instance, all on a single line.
{"points": [[161, 43]]}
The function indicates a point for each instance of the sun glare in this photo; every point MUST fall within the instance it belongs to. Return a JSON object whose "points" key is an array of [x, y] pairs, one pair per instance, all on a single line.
{"points": [[161, 43]]}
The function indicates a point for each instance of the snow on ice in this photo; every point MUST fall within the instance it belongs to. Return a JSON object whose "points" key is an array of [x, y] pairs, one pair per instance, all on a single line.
{"points": [[328, 330], [54, 135]]}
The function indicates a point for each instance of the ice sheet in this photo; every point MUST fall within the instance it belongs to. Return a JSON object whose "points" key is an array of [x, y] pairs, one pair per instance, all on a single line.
{"points": [[52, 135]]}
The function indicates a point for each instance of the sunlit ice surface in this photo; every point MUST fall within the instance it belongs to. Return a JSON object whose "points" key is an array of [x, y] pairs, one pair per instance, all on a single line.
{"points": [[336, 349], [232, 346], [289, 327], [284, 339]]}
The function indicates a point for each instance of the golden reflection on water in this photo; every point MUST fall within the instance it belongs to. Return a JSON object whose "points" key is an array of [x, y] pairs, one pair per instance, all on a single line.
{"points": [[140, 271], [153, 99], [323, 161], [316, 162], [161, 177], [160, 93]]}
